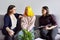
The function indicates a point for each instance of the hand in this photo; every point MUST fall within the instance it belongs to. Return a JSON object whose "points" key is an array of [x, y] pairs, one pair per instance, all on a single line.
{"points": [[47, 28], [11, 32], [20, 16]]}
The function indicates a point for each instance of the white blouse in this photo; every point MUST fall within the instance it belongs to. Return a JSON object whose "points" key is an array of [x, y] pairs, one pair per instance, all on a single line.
{"points": [[14, 21], [28, 23]]}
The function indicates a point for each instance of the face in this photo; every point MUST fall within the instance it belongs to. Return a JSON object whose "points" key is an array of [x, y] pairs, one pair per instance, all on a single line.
{"points": [[13, 10], [43, 11]]}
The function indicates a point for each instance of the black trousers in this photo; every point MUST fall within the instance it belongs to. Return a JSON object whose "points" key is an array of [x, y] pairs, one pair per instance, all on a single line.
{"points": [[48, 34], [8, 37]]}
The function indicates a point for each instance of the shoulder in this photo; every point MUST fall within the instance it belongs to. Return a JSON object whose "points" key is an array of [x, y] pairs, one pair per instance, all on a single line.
{"points": [[51, 15], [34, 16], [23, 18], [40, 17], [17, 15], [6, 16]]}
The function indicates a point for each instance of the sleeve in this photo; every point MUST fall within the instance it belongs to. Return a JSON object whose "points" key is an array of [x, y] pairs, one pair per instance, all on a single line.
{"points": [[23, 23], [31, 23], [17, 15], [53, 20], [6, 21]]}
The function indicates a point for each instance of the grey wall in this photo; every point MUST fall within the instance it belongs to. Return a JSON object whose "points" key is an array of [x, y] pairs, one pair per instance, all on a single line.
{"points": [[53, 5]]}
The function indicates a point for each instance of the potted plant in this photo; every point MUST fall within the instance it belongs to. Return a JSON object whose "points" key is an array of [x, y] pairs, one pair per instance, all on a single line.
{"points": [[26, 35]]}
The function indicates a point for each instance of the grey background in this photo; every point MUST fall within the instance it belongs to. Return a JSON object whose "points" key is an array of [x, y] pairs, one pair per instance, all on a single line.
{"points": [[36, 5]]}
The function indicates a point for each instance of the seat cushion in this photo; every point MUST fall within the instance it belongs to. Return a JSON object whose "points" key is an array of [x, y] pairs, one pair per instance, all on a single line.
{"points": [[1, 36], [57, 37], [58, 30], [1, 21], [37, 20]]}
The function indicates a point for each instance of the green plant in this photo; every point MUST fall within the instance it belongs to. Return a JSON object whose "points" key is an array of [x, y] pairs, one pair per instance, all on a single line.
{"points": [[26, 35]]}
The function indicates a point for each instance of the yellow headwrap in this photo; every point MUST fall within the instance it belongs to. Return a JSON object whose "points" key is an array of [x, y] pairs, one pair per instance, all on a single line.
{"points": [[29, 12]]}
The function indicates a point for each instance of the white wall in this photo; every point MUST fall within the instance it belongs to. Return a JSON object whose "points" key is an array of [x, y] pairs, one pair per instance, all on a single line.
{"points": [[53, 5]]}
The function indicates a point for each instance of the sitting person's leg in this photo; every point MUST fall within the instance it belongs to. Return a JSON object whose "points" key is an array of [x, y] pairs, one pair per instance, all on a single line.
{"points": [[54, 33], [43, 33], [32, 31], [7, 37], [21, 33], [49, 35], [18, 36]]}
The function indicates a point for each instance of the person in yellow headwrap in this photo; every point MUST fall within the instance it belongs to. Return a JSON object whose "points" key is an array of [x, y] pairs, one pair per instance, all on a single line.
{"points": [[29, 11], [28, 20]]}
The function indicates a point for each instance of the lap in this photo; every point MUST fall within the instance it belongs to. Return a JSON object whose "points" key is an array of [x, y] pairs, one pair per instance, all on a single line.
{"points": [[21, 33], [7, 37]]}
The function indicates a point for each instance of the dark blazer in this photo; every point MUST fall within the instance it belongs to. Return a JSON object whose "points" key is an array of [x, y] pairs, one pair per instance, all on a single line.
{"points": [[8, 23]]}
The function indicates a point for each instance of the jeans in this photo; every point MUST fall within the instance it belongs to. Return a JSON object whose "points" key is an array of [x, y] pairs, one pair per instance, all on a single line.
{"points": [[48, 34], [21, 33]]}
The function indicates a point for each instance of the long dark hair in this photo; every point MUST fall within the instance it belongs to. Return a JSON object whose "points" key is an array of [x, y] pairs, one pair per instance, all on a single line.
{"points": [[9, 8], [46, 8]]}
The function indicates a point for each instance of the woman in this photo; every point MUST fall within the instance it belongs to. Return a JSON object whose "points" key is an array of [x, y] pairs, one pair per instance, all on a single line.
{"points": [[10, 27], [47, 25], [28, 20]]}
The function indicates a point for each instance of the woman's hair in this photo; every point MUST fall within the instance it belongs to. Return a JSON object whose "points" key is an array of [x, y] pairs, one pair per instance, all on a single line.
{"points": [[29, 11], [46, 8], [9, 8]]}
